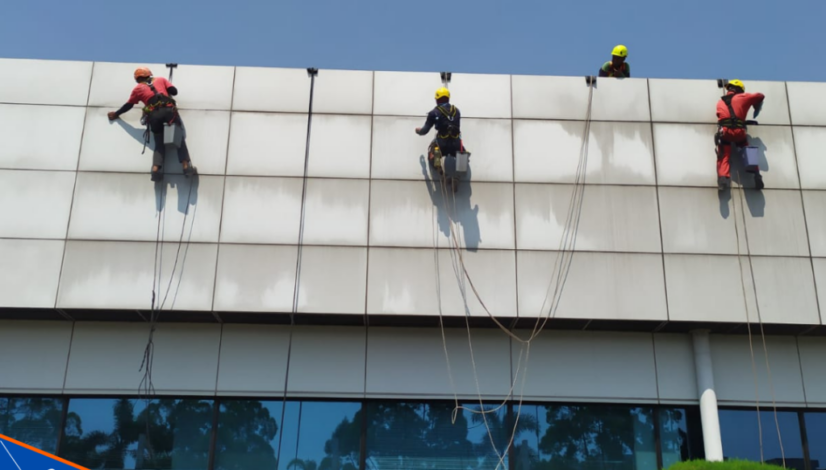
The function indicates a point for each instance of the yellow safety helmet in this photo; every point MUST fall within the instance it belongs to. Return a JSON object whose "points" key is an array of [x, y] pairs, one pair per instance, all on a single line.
{"points": [[442, 93], [737, 83], [620, 51]]}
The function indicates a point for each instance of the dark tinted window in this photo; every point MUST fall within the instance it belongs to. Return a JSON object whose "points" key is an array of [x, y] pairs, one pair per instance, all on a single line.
{"points": [[322, 435], [674, 436], [585, 437], [124, 433], [741, 438], [248, 432], [34, 421], [424, 435], [816, 433]]}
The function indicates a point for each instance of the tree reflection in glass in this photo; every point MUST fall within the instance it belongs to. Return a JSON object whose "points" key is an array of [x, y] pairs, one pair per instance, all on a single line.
{"points": [[32, 420], [124, 433], [590, 437], [322, 436], [673, 436], [247, 434], [424, 436]]}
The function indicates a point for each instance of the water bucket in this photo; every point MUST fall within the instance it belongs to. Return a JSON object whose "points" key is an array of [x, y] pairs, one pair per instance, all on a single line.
{"points": [[751, 159], [172, 135], [462, 162]]}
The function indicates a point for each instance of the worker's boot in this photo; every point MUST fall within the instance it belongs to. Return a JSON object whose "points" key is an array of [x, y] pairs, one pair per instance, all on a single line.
{"points": [[156, 174], [758, 181], [189, 169], [723, 183]]}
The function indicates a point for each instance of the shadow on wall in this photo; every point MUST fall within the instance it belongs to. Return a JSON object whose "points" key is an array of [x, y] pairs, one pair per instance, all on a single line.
{"points": [[173, 177], [457, 207], [755, 200]]}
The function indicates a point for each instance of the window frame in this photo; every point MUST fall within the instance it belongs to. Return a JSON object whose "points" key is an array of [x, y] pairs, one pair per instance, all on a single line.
{"points": [[800, 411], [693, 424]]}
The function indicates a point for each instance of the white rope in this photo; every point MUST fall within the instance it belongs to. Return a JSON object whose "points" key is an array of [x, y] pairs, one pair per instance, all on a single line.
{"points": [[741, 198], [574, 213]]}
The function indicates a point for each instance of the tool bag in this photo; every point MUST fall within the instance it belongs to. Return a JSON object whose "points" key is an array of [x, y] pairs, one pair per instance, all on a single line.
{"points": [[751, 159]]}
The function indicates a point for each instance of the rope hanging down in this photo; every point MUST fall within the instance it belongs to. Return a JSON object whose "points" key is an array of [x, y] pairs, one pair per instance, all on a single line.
{"points": [[146, 388], [559, 274], [312, 73], [741, 198]]}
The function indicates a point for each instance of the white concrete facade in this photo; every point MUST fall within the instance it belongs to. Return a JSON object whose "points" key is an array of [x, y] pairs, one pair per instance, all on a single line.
{"points": [[365, 234], [71, 177]]}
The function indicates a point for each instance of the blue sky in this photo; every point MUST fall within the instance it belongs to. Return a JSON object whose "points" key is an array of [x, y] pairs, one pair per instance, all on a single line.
{"points": [[776, 40]]}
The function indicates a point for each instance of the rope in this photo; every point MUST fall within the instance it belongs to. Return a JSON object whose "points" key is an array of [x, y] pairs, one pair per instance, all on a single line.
{"points": [[569, 235], [297, 266], [146, 389], [741, 198]]}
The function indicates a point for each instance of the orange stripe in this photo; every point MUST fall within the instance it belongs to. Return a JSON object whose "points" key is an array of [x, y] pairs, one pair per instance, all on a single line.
{"points": [[21, 444]]}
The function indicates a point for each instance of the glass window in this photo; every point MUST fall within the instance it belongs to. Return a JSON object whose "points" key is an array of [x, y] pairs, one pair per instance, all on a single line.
{"points": [[119, 434], [816, 434], [423, 435], [674, 438], [248, 433], [741, 440], [586, 437], [34, 421], [321, 436]]}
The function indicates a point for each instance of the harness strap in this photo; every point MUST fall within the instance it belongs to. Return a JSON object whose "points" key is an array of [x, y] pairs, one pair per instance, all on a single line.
{"points": [[732, 122], [450, 115], [162, 101]]}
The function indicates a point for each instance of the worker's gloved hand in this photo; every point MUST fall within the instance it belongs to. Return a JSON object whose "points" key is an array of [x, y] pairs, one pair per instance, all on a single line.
{"points": [[112, 115], [418, 129], [758, 108]]}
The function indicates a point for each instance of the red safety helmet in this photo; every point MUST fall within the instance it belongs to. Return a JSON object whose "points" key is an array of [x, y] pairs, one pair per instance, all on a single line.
{"points": [[142, 72]]}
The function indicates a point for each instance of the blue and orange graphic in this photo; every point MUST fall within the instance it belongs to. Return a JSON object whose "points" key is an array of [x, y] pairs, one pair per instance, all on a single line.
{"points": [[15, 455]]}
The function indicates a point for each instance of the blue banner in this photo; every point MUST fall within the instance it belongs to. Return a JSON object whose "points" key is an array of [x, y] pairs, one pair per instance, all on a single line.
{"points": [[15, 455]]}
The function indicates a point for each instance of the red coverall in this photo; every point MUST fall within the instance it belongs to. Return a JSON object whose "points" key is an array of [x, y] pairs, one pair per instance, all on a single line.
{"points": [[741, 103]]}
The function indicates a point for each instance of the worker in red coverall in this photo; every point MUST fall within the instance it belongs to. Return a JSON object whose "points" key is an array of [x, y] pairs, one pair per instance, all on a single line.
{"points": [[731, 129], [160, 108]]}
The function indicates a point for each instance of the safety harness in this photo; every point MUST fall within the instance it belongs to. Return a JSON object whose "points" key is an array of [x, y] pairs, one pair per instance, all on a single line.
{"points": [[609, 69], [731, 122], [158, 100], [453, 131]]}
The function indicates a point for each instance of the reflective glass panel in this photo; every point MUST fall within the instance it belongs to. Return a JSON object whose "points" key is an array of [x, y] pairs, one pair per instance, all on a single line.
{"points": [[816, 433], [31, 420], [119, 434], [741, 439], [425, 435], [674, 437], [590, 437], [322, 436], [248, 433]]}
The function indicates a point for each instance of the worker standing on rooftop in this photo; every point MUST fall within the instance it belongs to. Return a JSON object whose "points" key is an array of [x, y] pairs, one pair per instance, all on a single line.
{"points": [[732, 110], [447, 120], [617, 66], [159, 108]]}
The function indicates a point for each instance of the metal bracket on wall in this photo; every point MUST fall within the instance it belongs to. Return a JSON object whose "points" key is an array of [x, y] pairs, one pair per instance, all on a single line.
{"points": [[311, 72], [722, 83], [446, 76], [590, 80], [171, 66]]}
